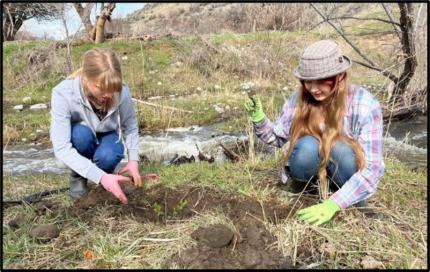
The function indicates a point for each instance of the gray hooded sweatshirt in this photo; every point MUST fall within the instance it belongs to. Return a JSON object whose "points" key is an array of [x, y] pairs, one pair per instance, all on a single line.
{"points": [[69, 105]]}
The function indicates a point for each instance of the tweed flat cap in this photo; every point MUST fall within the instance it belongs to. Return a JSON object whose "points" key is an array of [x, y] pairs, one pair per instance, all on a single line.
{"points": [[321, 60]]}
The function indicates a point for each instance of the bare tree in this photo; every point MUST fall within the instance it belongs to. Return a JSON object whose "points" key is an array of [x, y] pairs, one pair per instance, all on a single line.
{"points": [[14, 15], [97, 32], [408, 47], [405, 31], [85, 13], [104, 16]]}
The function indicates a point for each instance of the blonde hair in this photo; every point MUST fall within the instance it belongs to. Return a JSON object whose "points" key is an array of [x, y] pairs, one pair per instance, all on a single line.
{"points": [[305, 123], [102, 66]]}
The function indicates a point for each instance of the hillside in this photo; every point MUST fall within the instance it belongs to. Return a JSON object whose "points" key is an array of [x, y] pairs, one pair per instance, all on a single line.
{"points": [[204, 18]]}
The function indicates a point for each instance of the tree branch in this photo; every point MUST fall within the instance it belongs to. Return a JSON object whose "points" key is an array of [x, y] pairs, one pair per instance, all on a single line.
{"points": [[364, 19], [417, 18], [85, 13], [372, 64], [396, 26], [344, 37], [384, 72], [9, 32]]}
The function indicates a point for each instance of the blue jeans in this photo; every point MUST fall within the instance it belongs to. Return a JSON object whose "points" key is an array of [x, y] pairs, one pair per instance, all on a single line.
{"points": [[304, 161], [106, 155]]}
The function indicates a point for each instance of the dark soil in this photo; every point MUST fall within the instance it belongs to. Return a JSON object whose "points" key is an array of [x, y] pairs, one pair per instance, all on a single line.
{"points": [[161, 204], [47, 207], [217, 246]]}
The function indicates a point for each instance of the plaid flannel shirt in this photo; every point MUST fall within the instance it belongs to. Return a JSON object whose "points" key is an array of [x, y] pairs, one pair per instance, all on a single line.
{"points": [[363, 122]]}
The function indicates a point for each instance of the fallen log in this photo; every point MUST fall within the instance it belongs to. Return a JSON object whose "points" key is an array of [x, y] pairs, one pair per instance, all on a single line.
{"points": [[230, 154]]}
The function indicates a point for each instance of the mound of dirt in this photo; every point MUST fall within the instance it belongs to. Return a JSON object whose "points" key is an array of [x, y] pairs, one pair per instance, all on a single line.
{"points": [[253, 247], [215, 236]]}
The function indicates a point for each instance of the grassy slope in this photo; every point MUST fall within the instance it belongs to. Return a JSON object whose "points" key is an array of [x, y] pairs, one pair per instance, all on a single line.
{"points": [[185, 67]]}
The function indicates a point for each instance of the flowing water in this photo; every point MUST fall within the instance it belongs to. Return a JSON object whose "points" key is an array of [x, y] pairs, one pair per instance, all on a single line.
{"points": [[406, 140], [161, 147]]}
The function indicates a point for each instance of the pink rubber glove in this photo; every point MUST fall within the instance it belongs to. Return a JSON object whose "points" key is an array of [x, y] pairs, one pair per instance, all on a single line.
{"points": [[133, 169], [111, 184]]}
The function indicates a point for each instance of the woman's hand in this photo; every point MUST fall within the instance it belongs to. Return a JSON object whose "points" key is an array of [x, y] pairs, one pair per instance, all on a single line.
{"points": [[320, 213], [111, 184], [255, 109], [132, 168]]}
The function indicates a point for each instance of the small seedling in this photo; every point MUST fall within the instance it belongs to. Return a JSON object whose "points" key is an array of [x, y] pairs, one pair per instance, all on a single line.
{"points": [[180, 206], [157, 210]]}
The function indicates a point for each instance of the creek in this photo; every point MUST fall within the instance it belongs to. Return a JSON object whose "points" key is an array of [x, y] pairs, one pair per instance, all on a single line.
{"points": [[406, 140]]}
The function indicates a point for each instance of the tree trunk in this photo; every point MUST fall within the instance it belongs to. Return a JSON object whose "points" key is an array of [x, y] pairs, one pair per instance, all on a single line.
{"points": [[99, 30], [408, 47], [7, 30], [10, 29], [93, 31], [11, 23], [85, 13], [100, 24]]}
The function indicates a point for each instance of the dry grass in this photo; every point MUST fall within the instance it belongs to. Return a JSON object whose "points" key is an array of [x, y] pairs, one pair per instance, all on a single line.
{"points": [[399, 240]]}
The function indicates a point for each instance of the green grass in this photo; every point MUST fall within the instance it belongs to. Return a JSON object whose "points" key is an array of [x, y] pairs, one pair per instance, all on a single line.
{"points": [[358, 28], [13, 46], [25, 125]]}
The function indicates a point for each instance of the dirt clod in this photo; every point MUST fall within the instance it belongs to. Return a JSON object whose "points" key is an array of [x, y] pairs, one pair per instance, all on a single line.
{"points": [[214, 236], [250, 252], [17, 221], [45, 207], [45, 232]]}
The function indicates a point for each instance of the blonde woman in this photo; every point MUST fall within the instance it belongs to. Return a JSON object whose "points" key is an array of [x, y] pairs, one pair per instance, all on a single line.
{"points": [[90, 111], [334, 130]]}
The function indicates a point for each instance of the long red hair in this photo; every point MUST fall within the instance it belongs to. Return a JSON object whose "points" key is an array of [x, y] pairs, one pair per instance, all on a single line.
{"points": [[305, 122]]}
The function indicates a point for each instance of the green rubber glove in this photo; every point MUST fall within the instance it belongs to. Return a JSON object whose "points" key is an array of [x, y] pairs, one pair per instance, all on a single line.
{"points": [[320, 213], [255, 109]]}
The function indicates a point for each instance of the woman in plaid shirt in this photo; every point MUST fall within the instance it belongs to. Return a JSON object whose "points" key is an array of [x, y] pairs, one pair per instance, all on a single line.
{"points": [[334, 131]]}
